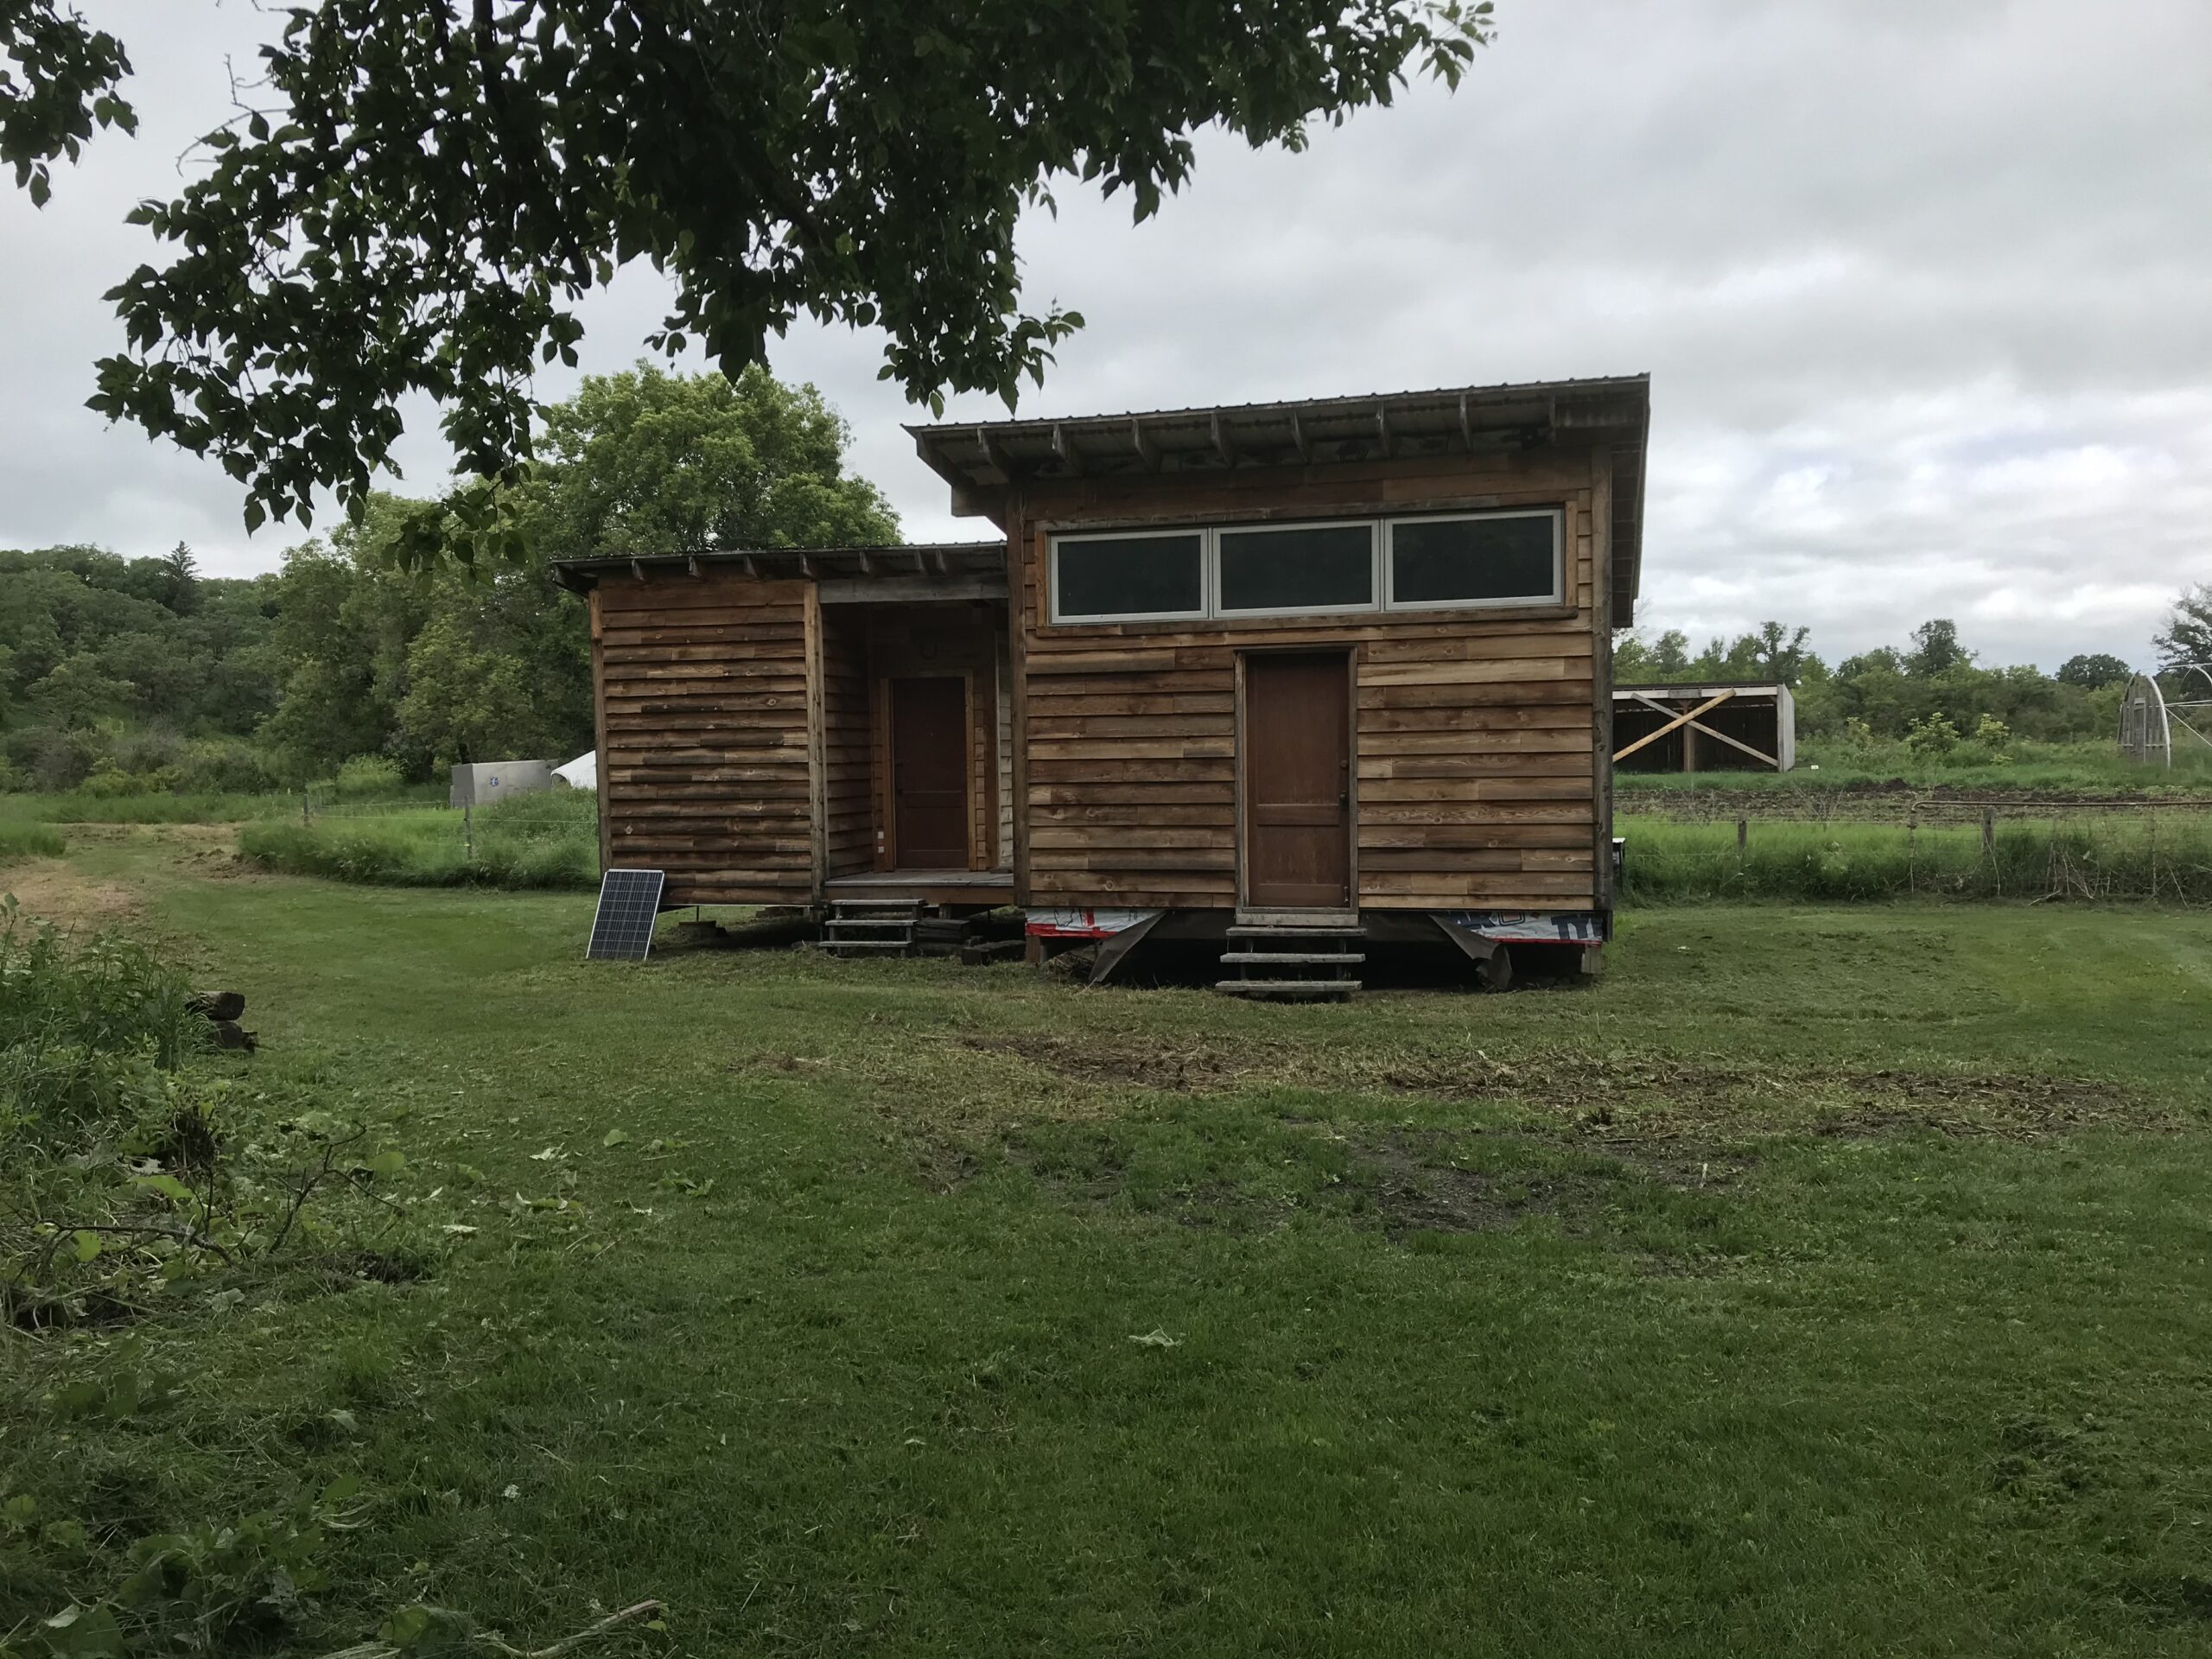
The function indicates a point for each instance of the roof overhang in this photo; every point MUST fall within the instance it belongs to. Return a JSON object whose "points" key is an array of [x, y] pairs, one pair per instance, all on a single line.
{"points": [[918, 570], [1702, 691], [981, 462]]}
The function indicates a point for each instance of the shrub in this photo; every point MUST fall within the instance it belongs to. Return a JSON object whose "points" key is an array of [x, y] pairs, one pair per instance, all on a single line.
{"points": [[29, 840], [1932, 735], [226, 767], [366, 775], [81, 1031]]}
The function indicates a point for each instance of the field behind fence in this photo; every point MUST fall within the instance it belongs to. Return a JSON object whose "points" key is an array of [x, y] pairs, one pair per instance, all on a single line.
{"points": [[1946, 847], [1841, 847], [549, 839]]}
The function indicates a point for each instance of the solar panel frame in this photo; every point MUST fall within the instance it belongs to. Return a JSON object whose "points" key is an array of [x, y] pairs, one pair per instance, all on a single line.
{"points": [[622, 927]]}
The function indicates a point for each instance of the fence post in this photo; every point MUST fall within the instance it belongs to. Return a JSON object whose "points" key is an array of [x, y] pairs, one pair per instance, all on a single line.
{"points": [[1912, 854], [1743, 835], [307, 821], [1988, 831], [468, 835]]}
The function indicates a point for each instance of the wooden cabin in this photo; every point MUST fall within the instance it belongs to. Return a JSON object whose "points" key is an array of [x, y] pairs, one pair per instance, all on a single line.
{"points": [[1294, 675]]}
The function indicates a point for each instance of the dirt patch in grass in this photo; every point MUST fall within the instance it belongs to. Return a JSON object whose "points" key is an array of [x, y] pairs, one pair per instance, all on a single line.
{"points": [[54, 890], [1620, 1098], [1421, 1183]]}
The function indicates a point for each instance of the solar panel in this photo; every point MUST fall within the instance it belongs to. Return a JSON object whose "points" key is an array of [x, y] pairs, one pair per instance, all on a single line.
{"points": [[623, 929]]}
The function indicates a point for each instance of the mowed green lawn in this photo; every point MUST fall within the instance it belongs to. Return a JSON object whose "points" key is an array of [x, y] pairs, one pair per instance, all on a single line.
{"points": [[1827, 1280]]}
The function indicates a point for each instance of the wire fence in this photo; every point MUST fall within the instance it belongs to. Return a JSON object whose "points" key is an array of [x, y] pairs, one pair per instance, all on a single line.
{"points": [[561, 815], [1978, 849], [545, 839], [1892, 806]]}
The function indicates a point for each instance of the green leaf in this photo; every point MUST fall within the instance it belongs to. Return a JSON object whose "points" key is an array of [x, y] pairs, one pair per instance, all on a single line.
{"points": [[614, 1137], [86, 1633], [387, 1163], [339, 1490], [76, 1398], [167, 1186], [87, 1244]]}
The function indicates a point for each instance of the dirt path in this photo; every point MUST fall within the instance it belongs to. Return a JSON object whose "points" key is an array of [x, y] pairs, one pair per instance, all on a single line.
{"points": [[101, 882], [54, 890]]}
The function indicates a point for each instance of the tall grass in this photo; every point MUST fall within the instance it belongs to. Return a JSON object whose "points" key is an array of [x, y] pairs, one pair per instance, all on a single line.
{"points": [[2021, 765], [2137, 855], [79, 806], [546, 840], [29, 840], [79, 1028]]}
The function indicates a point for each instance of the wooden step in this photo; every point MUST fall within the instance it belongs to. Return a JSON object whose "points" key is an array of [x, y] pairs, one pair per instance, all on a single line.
{"points": [[1285, 931], [843, 946], [1294, 958], [1289, 990]]}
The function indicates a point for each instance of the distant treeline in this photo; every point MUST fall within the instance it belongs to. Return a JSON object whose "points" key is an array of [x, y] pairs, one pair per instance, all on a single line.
{"points": [[142, 675], [1932, 690]]}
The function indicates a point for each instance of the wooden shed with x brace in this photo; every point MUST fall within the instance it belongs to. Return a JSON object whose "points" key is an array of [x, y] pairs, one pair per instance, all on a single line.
{"points": [[1293, 675]]}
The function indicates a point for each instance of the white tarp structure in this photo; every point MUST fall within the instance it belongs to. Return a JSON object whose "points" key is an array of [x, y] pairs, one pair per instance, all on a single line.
{"points": [[493, 780], [582, 773]]}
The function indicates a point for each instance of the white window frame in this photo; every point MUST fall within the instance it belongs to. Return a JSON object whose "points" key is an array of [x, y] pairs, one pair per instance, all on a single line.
{"points": [[1382, 584], [1204, 537], [1216, 609], [1513, 601]]}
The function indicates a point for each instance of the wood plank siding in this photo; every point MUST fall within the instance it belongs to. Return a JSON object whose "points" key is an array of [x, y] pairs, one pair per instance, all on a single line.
{"points": [[742, 728], [703, 749], [1479, 735]]}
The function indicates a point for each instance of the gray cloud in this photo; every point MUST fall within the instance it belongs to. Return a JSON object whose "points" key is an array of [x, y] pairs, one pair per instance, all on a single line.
{"points": [[1921, 289]]}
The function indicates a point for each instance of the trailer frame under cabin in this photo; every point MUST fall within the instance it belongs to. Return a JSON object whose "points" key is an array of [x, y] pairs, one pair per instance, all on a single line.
{"points": [[1294, 678]]}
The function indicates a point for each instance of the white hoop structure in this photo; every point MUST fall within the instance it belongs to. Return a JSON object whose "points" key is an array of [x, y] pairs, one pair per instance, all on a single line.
{"points": [[2149, 718], [2146, 734]]}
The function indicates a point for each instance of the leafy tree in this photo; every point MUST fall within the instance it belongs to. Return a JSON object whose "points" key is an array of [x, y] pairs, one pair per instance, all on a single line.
{"points": [[1935, 649], [1781, 655], [649, 462], [864, 163], [62, 82], [2187, 637], [344, 620], [2093, 671], [75, 691], [1635, 663]]}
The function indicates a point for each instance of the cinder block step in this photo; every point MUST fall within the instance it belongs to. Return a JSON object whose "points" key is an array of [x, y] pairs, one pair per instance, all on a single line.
{"points": [[1294, 958], [1287, 931]]}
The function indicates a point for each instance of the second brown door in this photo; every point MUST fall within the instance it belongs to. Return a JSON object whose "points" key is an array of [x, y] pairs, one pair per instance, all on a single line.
{"points": [[929, 773], [1296, 768]]}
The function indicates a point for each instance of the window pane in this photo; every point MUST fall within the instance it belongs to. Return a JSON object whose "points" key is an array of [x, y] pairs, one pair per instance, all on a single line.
{"points": [[1316, 569], [1128, 575], [1451, 561]]}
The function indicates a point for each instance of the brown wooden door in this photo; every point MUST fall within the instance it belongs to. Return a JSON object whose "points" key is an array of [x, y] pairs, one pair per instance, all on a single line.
{"points": [[1297, 780], [929, 773]]}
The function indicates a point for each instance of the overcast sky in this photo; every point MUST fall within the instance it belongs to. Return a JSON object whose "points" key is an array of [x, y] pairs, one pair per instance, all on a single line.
{"points": [[1925, 290]]}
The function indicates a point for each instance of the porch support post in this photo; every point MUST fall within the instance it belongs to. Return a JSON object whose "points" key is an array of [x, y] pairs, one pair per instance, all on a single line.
{"points": [[817, 747]]}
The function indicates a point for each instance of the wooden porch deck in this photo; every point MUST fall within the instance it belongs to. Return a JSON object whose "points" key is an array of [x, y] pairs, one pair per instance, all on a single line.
{"points": [[991, 887]]}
